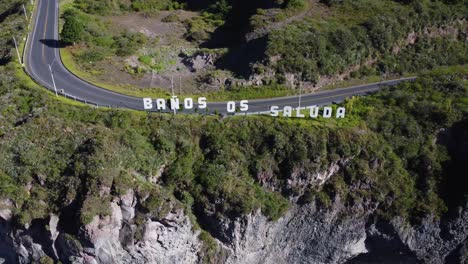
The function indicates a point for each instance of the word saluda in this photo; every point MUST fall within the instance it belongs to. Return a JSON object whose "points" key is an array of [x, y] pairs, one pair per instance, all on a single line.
{"points": [[241, 107]]}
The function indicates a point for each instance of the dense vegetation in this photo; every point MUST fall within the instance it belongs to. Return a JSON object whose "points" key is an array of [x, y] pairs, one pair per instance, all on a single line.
{"points": [[12, 24], [108, 7], [365, 30], [101, 42]]}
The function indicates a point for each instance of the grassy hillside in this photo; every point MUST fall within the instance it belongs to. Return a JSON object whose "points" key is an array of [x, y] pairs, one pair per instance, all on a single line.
{"points": [[363, 30]]}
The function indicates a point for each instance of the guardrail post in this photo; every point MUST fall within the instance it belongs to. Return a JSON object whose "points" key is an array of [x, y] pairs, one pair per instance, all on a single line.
{"points": [[53, 80], [25, 13], [17, 51]]}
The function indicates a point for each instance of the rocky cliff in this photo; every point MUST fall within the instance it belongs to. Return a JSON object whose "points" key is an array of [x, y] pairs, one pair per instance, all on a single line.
{"points": [[108, 239], [305, 234]]}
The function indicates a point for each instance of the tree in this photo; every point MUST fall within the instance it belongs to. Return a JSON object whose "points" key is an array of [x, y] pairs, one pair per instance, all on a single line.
{"points": [[73, 28]]}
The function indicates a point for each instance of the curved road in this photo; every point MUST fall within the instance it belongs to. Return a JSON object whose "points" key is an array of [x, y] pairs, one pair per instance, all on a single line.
{"points": [[42, 56]]}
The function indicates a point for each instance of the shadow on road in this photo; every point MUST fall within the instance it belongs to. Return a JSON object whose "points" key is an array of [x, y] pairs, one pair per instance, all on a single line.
{"points": [[52, 43]]}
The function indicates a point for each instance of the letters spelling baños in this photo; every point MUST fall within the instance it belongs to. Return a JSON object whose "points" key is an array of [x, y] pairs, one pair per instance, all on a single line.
{"points": [[174, 103], [189, 103]]}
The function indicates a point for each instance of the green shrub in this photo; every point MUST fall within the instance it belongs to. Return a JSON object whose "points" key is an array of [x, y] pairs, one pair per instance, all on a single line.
{"points": [[362, 30], [171, 18], [73, 28], [128, 43], [94, 206], [46, 260], [92, 55]]}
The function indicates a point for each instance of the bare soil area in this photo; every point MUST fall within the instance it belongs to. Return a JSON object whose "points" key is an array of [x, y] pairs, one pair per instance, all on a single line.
{"points": [[153, 26], [166, 44], [166, 61]]}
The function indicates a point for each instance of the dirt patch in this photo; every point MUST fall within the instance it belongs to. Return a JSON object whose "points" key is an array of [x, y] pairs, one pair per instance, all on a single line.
{"points": [[317, 9], [158, 64], [153, 26]]}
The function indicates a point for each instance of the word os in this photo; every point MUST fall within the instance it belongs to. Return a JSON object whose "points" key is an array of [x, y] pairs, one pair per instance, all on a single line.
{"points": [[313, 112]]}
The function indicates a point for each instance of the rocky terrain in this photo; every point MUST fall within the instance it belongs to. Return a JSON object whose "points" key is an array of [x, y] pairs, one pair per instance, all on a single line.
{"points": [[305, 234]]}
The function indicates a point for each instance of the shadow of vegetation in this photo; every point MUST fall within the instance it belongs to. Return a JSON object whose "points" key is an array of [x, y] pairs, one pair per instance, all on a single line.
{"points": [[454, 185], [4, 59], [240, 59], [241, 54], [9, 11], [53, 43]]}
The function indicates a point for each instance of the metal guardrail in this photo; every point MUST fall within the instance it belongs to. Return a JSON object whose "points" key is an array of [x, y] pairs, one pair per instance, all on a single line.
{"points": [[87, 102]]}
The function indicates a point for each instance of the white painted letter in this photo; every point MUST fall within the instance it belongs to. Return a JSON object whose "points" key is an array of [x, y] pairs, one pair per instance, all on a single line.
{"points": [[147, 103], [175, 103], [341, 112], [202, 103], [231, 106], [274, 111], [188, 103], [161, 104], [327, 112], [244, 105], [287, 111], [314, 111], [298, 113]]}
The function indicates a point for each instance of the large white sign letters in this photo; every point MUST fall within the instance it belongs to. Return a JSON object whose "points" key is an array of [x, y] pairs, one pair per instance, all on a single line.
{"points": [[242, 106]]}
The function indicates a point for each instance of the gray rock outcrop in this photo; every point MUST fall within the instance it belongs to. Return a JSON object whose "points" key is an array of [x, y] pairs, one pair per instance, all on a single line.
{"points": [[305, 234]]}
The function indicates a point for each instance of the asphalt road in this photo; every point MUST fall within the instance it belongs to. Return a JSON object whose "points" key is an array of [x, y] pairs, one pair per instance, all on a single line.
{"points": [[42, 56]]}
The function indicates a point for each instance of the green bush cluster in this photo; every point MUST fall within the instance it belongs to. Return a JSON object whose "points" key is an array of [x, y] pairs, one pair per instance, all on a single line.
{"points": [[311, 52], [155, 5], [362, 30], [109, 7], [160, 59], [11, 25], [199, 28], [100, 41], [426, 54], [73, 28]]}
